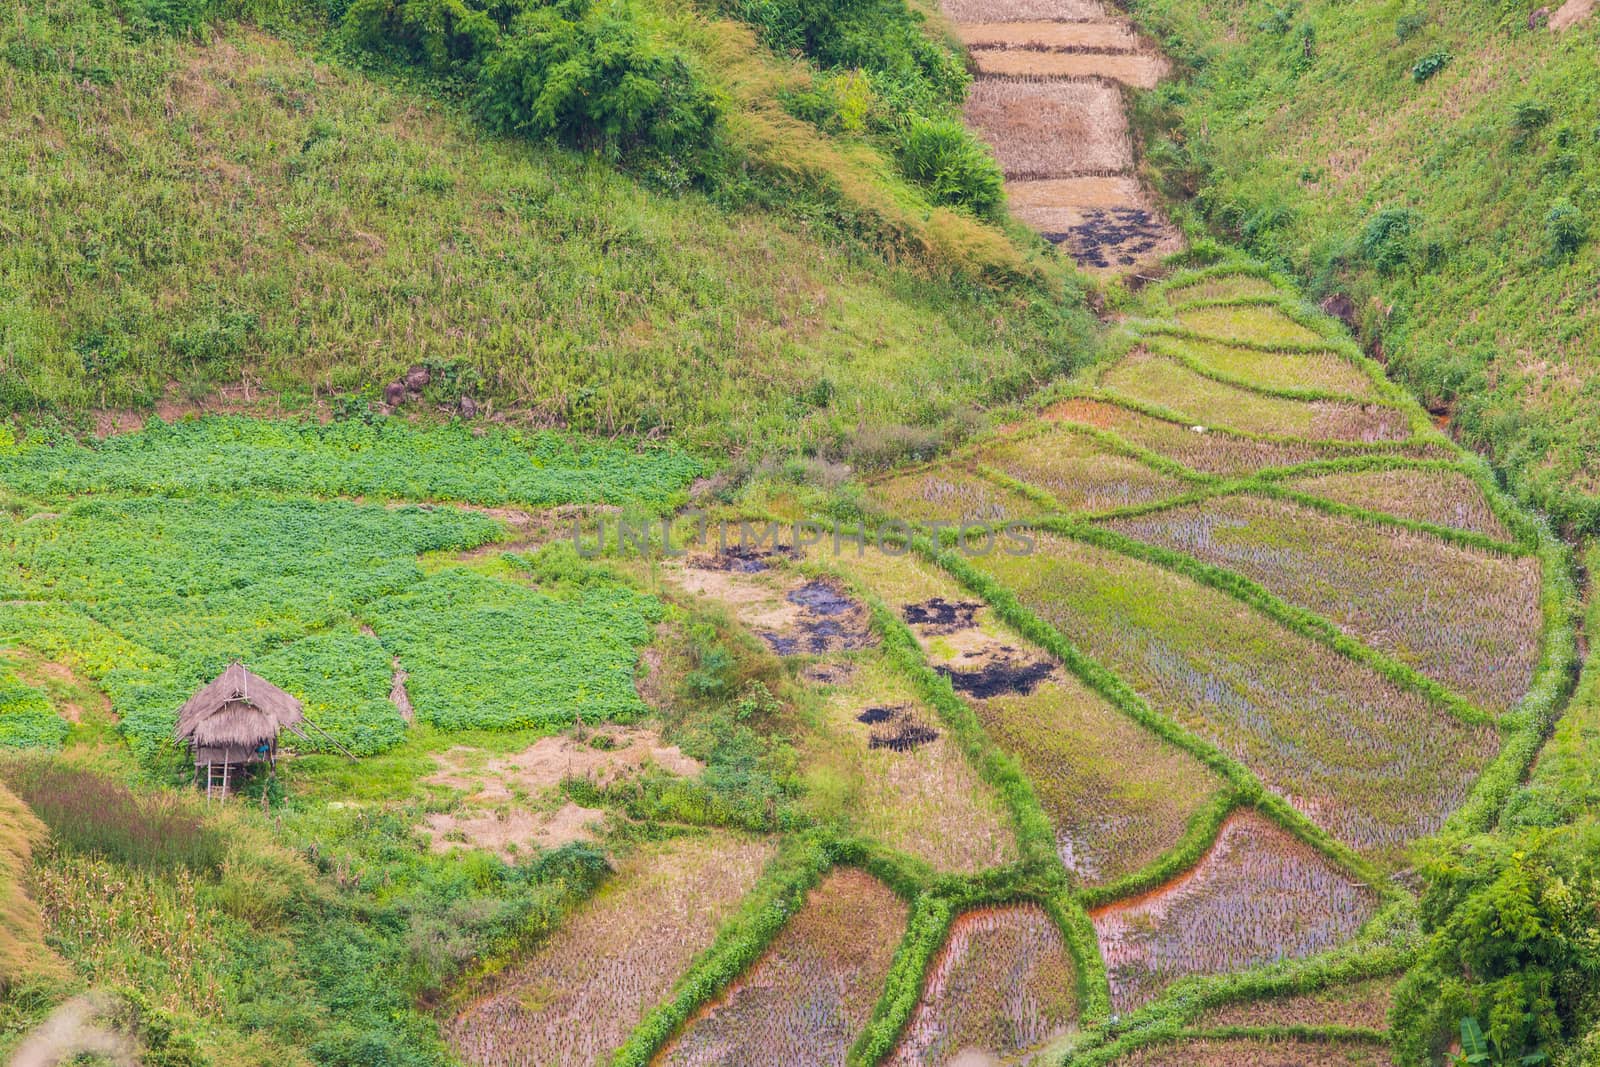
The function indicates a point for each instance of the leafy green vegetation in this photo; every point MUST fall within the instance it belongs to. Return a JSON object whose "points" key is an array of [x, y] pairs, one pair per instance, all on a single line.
{"points": [[1433, 166], [27, 718]]}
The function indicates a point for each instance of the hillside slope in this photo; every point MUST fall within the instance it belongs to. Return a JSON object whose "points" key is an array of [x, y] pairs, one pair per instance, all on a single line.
{"points": [[188, 210], [1437, 164]]}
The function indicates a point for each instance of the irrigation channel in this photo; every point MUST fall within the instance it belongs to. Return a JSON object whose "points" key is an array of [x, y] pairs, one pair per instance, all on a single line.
{"points": [[1048, 98]]}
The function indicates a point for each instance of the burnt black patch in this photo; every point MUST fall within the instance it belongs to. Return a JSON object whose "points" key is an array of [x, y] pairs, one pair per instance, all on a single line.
{"points": [[1108, 237], [782, 644], [820, 598], [903, 734], [998, 677], [742, 559], [940, 616], [873, 716]]}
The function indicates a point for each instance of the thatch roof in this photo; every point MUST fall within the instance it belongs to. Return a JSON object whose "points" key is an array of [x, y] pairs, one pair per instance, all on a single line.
{"points": [[239, 710]]}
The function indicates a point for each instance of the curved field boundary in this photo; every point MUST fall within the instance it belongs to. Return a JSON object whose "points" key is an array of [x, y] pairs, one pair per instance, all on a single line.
{"points": [[1156, 343]]}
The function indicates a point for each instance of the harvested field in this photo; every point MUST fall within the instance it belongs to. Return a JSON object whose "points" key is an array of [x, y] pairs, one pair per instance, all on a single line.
{"points": [[807, 999], [907, 783], [1257, 1052], [978, 11], [600, 756], [1165, 383], [793, 616], [1078, 471], [578, 996], [1467, 618], [1002, 985], [1226, 287], [1444, 498], [949, 494], [511, 831], [1141, 70], [1117, 795], [1251, 323], [1257, 896], [1374, 764], [1206, 450], [1051, 129], [1355, 1004], [1075, 196], [1327, 372], [1047, 36]]}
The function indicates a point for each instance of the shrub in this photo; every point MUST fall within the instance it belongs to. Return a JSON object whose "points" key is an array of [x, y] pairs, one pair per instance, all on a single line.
{"points": [[450, 36], [1429, 65], [942, 156], [593, 78], [1565, 229], [885, 38], [1390, 239]]}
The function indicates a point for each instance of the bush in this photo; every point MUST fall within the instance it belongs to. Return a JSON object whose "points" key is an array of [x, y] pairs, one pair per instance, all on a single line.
{"points": [[1429, 65], [1565, 229], [885, 38], [450, 36], [944, 158], [1390, 239], [592, 78]]}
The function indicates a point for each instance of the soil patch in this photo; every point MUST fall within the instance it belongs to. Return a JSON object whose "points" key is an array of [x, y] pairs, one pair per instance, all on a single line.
{"points": [[979, 11], [898, 729], [512, 832], [1571, 13], [600, 756], [1114, 237], [741, 559], [937, 615]]}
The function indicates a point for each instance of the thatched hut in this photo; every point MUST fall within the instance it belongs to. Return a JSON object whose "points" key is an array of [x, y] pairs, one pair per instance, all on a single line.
{"points": [[233, 723]]}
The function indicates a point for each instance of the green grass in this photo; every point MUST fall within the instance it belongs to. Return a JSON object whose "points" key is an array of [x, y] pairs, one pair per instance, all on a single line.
{"points": [[240, 210], [1323, 372], [1078, 472], [1298, 155]]}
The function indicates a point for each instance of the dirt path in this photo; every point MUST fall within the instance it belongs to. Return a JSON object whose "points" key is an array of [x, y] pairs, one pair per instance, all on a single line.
{"points": [[1049, 99]]}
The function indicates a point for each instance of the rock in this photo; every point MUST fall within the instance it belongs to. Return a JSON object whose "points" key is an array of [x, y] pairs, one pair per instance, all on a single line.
{"points": [[394, 394], [1341, 307], [468, 408], [1538, 17], [417, 379]]}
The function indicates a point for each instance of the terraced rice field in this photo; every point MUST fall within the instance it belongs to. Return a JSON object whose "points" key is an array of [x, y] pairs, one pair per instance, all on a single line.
{"points": [[1374, 764], [1002, 986], [1248, 324], [808, 998], [1164, 383], [1258, 895], [1440, 497], [1362, 1005], [1324, 372], [1466, 617], [1196, 446], [1117, 796], [1258, 1052], [947, 492], [906, 782], [1222, 287], [1080, 473], [580, 994]]}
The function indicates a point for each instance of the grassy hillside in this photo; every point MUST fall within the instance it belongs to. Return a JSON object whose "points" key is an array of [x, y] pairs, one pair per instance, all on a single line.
{"points": [[1440, 164], [188, 207]]}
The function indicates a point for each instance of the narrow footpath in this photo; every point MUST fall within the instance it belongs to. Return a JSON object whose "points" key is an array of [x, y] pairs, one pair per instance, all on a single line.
{"points": [[1048, 97]]}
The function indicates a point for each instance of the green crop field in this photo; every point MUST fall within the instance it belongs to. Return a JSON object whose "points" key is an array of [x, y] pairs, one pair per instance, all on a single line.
{"points": [[717, 589]]}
